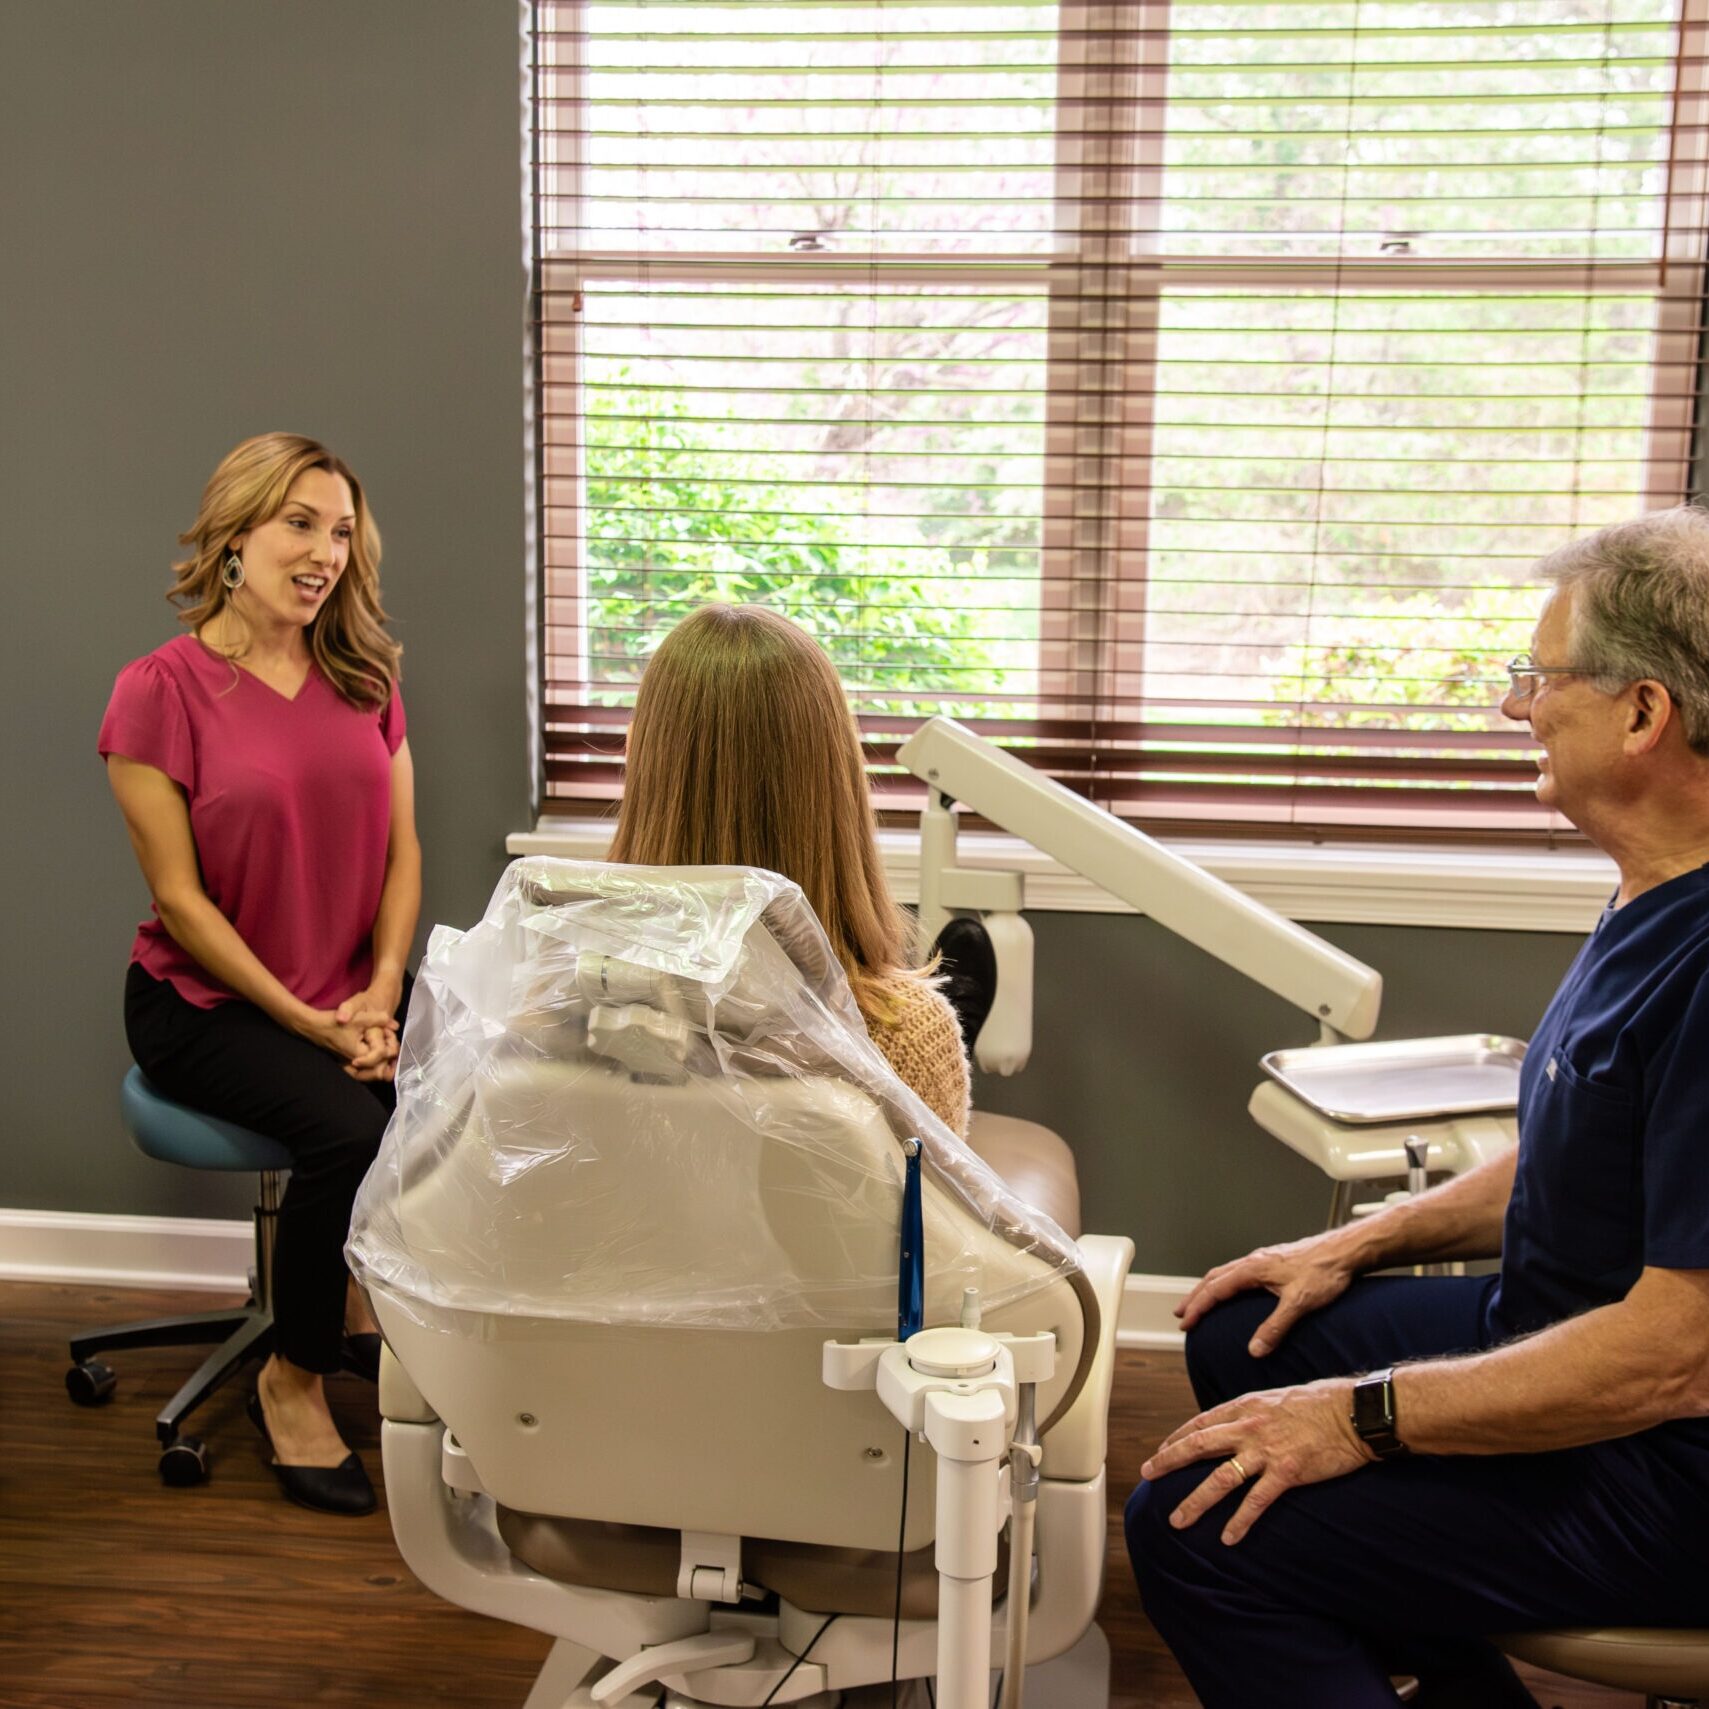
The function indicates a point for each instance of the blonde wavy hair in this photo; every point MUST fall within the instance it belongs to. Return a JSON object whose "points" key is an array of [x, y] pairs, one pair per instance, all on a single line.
{"points": [[743, 752], [348, 636]]}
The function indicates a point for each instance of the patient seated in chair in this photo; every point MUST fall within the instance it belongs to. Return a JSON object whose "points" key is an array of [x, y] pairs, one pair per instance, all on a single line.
{"points": [[648, 1159], [743, 752]]}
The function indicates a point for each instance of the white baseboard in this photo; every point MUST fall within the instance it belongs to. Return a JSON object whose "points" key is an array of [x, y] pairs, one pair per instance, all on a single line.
{"points": [[197, 1252], [1148, 1312], [125, 1251]]}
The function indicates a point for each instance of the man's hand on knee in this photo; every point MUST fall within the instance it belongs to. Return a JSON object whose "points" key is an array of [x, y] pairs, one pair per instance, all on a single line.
{"points": [[1274, 1440], [1304, 1275]]}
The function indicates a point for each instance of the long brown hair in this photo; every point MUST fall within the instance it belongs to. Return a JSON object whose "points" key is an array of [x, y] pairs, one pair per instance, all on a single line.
{"points": [[743, 752], [348, 637]]}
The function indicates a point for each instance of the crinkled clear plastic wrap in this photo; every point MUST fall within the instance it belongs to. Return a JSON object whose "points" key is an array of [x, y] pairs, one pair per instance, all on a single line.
{"points": [[644, 1095]]}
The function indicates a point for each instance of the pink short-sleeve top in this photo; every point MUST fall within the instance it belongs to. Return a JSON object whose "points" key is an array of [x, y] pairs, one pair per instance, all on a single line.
{"points": [[290, 805]]}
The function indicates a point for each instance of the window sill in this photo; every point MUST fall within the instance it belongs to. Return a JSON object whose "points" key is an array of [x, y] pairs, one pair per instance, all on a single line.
{"points": [[1518, 890]]}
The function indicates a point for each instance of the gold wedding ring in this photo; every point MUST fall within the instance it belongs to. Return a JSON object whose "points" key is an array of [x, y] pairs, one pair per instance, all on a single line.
{"points": [[1239, 1470]]}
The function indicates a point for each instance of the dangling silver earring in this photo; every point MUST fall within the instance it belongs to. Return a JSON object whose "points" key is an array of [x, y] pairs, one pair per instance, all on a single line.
{"points": [[232, 574]]}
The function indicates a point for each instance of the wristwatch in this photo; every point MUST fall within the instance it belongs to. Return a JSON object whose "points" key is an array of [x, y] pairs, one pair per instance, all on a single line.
{"points": [[1374, 1420]]}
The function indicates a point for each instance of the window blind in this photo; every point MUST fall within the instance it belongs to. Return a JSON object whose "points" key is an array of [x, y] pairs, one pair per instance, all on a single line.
{"points": [[1178, 393]]}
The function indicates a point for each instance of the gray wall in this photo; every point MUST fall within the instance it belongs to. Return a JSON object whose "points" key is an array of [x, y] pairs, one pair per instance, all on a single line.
{"points": [[226, 216]]}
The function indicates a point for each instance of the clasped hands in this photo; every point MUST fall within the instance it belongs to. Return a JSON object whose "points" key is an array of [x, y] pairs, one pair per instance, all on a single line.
{"points": [[363, 1029], [1271, 1439]]}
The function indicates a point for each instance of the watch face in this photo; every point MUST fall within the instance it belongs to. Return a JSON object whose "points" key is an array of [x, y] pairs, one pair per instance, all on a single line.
{"points": [[1373, 1404], [1374, 1413]]}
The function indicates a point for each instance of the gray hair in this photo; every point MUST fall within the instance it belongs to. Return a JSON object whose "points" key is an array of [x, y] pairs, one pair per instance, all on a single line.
{"points": [[1641, 607]]}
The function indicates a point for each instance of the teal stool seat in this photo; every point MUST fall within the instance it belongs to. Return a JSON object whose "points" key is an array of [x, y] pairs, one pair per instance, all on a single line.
{"points": [[174, 1133]]}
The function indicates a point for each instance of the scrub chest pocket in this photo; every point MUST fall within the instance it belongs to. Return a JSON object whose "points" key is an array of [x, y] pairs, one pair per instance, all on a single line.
{"points": [[1584, 1181]]}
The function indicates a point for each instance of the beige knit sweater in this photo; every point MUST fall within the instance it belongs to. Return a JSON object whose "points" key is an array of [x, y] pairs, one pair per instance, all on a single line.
{"points": [[923, 1045]]}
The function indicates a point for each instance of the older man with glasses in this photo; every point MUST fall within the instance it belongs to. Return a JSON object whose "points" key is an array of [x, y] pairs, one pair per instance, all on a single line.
{"points": [[1389, 1468]]}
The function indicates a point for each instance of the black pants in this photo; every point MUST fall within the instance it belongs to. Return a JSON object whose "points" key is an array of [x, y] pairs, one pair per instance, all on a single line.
{"points": [[233, 1062], [1401, 1567]]}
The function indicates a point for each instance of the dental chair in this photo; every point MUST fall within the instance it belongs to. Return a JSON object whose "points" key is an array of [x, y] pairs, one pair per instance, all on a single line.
{"points": [[711, 1352]]}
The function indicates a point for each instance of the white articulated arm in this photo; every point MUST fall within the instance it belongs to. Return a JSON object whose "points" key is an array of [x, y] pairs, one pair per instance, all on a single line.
{"points": [[1335, 989]]}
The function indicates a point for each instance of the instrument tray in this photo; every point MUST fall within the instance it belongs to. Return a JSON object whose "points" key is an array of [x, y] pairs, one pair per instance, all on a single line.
{"points": [[1411, 1080]]}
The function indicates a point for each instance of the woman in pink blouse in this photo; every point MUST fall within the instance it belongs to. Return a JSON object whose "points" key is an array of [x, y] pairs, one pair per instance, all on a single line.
{"points": [[261, 766]]}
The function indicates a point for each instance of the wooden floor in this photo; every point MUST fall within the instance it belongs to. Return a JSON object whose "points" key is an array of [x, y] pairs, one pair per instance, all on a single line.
{"points": [[114, 1589]]}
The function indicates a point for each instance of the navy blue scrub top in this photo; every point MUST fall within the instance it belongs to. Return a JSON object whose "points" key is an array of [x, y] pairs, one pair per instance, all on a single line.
{"points": [[1613, 1170]]}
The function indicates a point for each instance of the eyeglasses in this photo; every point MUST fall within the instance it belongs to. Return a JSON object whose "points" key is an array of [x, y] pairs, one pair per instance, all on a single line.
{"points": [[1526, 675]]}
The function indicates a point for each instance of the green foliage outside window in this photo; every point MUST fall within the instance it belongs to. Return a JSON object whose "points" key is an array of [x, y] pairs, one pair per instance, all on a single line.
{"points": [[668, 536], [1345, 487], [1404, 651]]}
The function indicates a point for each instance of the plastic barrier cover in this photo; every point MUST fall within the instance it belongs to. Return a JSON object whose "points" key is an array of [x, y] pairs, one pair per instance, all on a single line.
{"points": [[645, 1095]]}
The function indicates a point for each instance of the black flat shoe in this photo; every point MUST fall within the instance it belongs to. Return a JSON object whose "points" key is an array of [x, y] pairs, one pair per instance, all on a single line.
{"points": [[362, 1355], [343, 1488]]}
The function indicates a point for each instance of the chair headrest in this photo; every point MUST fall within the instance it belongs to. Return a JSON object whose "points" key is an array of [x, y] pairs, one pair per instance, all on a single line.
{"points": [[730, 895]]}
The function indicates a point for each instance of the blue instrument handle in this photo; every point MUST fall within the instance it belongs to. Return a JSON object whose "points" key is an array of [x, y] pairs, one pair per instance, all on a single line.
{"points": [[911, 1279]]}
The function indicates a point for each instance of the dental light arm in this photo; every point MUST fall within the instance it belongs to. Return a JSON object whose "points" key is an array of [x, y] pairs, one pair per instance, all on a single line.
{"points": [[1337, 991]]}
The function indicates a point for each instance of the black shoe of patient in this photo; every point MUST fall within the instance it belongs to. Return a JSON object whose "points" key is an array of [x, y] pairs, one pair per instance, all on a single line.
{"points": [[362, 1355], [343, 1488]]}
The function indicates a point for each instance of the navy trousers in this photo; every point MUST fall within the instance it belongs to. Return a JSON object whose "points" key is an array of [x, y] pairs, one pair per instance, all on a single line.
{"points": [[1405, 1566]]}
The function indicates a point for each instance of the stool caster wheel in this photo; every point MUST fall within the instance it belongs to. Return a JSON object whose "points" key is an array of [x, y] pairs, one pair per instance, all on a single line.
{"points": [[184, 1462], [91, 1382]]}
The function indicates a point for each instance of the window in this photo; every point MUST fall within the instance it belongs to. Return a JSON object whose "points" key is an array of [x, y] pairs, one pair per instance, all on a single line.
{"points": [[1178, 392]]}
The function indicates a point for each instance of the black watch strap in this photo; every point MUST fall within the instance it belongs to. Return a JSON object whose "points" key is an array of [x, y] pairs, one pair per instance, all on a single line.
{"points": [[1374, 1419]]}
